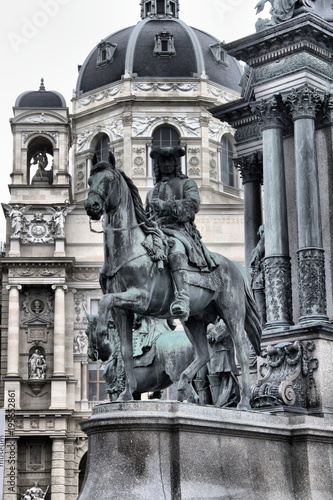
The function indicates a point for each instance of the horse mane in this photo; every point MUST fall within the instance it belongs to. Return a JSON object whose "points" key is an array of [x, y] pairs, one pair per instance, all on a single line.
{"points": [[146, 225], [156, 243]]}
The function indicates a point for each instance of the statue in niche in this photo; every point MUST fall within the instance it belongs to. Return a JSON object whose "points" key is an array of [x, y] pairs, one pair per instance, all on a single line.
{"points": [[258, 276], [35, 492], [80, 342], [17, 221], [37, 366], [58, 219], [41, 175], [222, 370]]}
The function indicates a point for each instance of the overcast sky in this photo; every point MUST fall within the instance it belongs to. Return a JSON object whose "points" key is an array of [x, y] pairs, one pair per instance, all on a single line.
{"points": [[50, 38]]}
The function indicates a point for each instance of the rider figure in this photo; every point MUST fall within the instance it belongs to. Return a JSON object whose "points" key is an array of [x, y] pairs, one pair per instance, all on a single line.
{"points": [[174, 201]]}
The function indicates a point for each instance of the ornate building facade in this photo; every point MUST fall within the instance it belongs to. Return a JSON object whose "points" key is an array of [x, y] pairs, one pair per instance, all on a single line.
{"points": [[149, 84]]}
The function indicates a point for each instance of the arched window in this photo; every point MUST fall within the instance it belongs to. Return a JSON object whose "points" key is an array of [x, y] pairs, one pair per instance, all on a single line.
{"points": [[165, 136], [227, 166], [102, 147]]}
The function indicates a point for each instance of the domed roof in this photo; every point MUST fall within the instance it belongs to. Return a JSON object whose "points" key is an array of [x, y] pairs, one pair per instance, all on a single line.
{"points": [[40, 98], [159, 46]]}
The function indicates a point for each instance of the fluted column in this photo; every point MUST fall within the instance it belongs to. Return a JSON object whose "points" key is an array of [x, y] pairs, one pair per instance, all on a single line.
{"points": [[58, 469], [251, 171], [59, 379], [304, 103], [277, 261]]}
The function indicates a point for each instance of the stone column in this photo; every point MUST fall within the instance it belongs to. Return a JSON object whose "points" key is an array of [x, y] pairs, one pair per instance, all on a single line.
{"points": [[59, 379], [58, 469], [277, 260], [304, 104], [84, 385], [251, 171], [13, 330], [12, 379]]}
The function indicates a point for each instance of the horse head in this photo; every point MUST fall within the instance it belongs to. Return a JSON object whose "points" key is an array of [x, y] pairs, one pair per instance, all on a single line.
{"points": [[103, 182], [99, 345]]}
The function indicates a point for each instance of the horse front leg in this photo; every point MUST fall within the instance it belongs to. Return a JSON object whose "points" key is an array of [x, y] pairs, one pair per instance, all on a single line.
{"points": [[124, 324], [123, 306]]}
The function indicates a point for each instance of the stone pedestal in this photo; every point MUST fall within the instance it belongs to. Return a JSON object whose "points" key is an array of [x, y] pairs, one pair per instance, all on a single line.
{"points": [[178, 451]]}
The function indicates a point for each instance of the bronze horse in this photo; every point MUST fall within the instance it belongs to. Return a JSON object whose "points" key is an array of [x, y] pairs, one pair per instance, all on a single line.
{"points": [[134, 279], [156, 369]]}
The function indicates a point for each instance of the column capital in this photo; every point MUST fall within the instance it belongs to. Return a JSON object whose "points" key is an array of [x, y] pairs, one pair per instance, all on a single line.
{"points": [[19, 287], [250, 167], [304, 102], [64, 287], [270, 112]]}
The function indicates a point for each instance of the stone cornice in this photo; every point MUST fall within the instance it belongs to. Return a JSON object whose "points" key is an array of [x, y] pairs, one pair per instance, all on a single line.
{"points": [[33, 262], [305, 32]]}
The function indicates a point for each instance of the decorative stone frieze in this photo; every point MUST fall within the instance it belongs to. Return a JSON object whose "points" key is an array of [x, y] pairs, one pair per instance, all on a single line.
{"points": [[289, 380], [39, 270], [84, 274], [100, 96], [165, 87], [248, 132]]}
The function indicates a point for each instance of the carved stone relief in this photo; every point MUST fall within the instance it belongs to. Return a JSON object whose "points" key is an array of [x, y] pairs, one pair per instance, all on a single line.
{"points": [[218, 128], [37, 308], [41, 118], [311, 277], [289, 378], [27, 135], [100, 96], [165, 87], [81, 181], [36, 271]]}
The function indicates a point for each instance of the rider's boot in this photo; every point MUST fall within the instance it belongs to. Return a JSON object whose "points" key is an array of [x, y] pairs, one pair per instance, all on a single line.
{"points": [[180, 308]]}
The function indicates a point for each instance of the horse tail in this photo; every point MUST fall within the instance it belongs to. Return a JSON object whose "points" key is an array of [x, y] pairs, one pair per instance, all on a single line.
{"points": [[252, 324]]}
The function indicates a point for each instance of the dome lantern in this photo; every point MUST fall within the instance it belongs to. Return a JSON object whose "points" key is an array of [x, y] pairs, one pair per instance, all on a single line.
{"points": [[159, 9]]}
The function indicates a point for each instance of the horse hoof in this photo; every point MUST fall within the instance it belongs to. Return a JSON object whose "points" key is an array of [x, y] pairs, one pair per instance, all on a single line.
{"points": [[243, 407], [125, 396]]}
